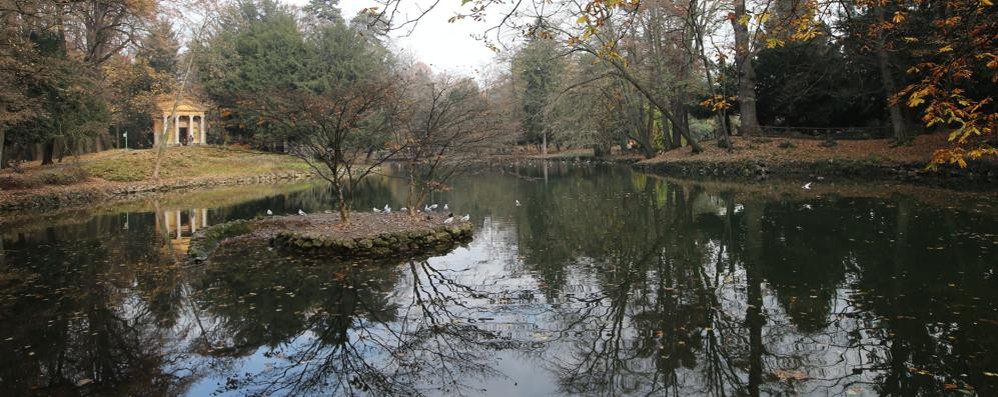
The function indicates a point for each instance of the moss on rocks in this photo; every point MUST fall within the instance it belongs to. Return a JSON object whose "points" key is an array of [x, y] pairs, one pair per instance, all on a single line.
{"points": [[205, 241]]}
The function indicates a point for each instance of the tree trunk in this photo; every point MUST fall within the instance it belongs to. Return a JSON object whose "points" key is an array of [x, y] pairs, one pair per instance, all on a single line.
{"points": [[883, 61], [3, 145], [753, 313], [344, 210], [648, 146], [746, 81], [681, 129], [48, 151], [544, 141], [681, 118]]}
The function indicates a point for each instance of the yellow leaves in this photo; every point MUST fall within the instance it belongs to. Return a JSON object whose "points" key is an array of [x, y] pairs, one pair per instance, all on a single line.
{"points": [[773, 42], [717, 102], [899, 17], [762, 18], [743, 20], [584, 19], [946, 48], [918, 97]]}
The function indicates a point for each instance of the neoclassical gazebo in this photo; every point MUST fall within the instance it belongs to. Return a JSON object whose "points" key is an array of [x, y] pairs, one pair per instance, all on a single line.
{"points": [[188, 126]]}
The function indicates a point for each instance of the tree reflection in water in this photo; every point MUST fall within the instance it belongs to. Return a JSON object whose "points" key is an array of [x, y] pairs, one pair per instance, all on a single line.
{"points": [[341, 328], [84, 315], [604, 282], [715, 294]]}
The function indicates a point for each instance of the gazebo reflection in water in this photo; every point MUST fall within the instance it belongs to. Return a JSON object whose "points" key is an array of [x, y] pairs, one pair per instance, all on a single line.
{"points": [[178, 225]]}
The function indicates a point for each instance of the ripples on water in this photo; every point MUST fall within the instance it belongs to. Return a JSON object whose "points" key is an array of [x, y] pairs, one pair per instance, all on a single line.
{"points": [[604, 282]]}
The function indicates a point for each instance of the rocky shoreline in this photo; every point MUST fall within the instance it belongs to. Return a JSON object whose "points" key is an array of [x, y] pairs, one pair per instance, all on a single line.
{"points": [[50, 198], [832, 168], [369, 235]]}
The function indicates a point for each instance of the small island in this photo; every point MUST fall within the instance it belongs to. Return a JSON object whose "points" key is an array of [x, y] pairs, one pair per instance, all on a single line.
{"points": [[367, 235]]}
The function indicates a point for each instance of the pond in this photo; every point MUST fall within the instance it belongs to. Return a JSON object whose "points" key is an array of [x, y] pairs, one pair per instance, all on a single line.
{"points": [[602, 281]]}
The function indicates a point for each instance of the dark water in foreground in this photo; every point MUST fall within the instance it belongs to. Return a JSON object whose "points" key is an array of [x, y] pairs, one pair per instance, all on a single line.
{"points": [[603, 282]]}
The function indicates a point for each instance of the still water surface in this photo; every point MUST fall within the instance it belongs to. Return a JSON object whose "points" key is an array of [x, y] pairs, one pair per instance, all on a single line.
{"points": [[602, 282]]}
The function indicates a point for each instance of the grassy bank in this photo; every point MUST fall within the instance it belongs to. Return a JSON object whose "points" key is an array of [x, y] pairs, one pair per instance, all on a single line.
{"points": [[112, 173], [137, 166]]}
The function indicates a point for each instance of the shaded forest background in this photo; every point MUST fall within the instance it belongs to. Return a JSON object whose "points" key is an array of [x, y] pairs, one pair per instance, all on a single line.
{"points": [[653, 75]]}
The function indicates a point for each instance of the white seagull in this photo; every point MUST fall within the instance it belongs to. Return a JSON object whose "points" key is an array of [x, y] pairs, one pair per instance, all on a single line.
{"points": [[807, 186], [450, 218], [403, 209], [434, 206], [376, 211], [517, 203], [387, 208], [446, 207], [270, 213], [466, 217], [300, 212]]}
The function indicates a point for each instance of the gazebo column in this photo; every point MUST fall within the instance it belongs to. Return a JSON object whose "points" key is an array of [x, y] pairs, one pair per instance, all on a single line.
{"points": [[194, 221], [202, 132], [176, 129]]}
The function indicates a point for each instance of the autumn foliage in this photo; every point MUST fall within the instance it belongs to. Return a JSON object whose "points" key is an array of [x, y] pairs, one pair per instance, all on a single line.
{"points": [[958, 51]]}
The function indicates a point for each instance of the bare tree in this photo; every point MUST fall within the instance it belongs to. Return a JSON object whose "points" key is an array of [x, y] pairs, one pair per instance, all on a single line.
{"points": [[333, 131], [448, 126]]}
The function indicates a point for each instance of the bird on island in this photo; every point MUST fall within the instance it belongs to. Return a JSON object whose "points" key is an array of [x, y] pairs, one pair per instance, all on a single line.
{"points": [[807, 186], [450, 218], [517, 203], [466, 217], [403, 209], [427, 208], [446, 207], [376, 211], [808, 207], [270, 213], [434, 206], [300, 212], [387, 208]]}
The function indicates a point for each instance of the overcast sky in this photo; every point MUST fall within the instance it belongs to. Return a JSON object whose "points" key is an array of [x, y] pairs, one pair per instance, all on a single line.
{"points": [[444, 46]]}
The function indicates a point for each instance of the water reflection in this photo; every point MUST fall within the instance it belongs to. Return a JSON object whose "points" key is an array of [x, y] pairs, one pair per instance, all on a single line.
{"points": [[603, 282], [180, 225], [340, 328]]}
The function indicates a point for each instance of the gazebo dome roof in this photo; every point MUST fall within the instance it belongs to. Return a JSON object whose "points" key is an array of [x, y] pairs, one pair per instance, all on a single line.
{"points": [[186, 105]]}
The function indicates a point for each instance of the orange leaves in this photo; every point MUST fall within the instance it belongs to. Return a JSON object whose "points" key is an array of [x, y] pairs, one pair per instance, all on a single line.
{"points": [[899, 17], [963, 46], [717, 103]]}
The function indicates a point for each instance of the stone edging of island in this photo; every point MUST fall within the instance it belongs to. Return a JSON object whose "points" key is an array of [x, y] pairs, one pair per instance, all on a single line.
{"points": [[381, 245], [315, 235]]}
